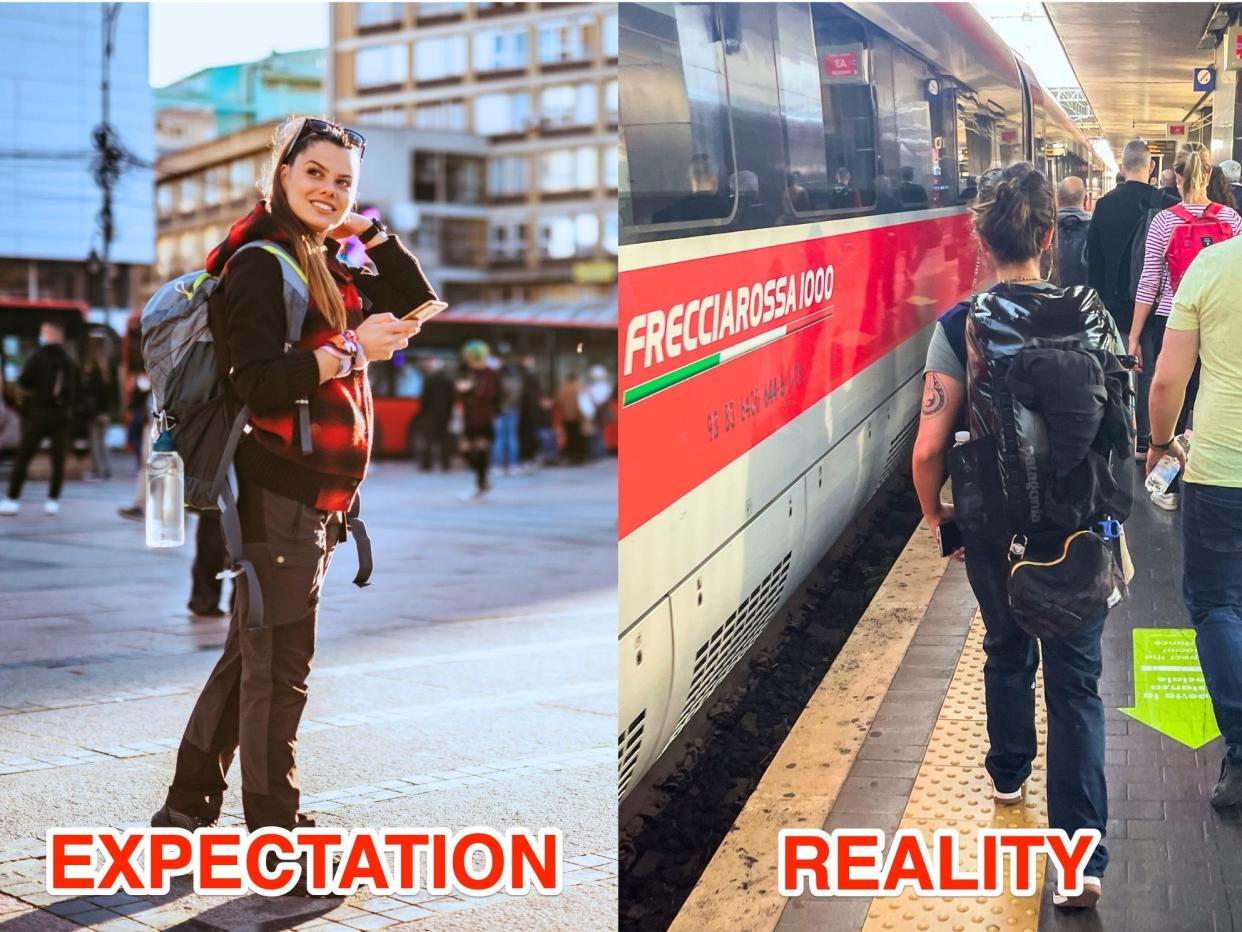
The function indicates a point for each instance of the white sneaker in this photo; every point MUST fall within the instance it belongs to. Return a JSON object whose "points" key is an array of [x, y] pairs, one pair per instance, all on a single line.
{"points": [[1008, 799], [1166, 500], [1090, 896], [51, 507], [8, 506]]}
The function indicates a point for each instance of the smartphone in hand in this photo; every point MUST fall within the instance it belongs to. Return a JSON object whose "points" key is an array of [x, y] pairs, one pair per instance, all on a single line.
{"points": [[425, 311], [950, 538]]}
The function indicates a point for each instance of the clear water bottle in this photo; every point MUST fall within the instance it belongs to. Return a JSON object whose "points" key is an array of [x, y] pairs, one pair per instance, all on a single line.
{"points": [[961, 437], [165, 495], [1166, 469]]}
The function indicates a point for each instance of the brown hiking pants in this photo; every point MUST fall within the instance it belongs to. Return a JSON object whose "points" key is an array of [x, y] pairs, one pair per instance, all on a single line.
{"points": [[254, 697]]}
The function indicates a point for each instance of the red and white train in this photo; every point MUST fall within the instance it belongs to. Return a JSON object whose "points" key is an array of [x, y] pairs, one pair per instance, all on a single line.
{"points": [[793, 187]]}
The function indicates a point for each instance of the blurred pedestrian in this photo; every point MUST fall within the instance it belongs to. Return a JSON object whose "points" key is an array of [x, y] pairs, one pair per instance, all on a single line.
{"points": [[435, 414], [1169, 184], [138, 435], [1219, 190], [50, 383], [1073, 224], [599, 388], [530, 416], [569, 405], [210, 559], [507, 446], [1232, 171], [100, 400], [478, 389]]}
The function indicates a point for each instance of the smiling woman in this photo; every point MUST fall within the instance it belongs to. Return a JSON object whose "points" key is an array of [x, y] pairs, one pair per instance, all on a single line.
{"points": [[298, 474]]}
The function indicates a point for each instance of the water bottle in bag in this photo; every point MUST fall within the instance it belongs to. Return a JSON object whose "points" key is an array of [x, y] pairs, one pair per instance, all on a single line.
{"points": [[165, 495]]}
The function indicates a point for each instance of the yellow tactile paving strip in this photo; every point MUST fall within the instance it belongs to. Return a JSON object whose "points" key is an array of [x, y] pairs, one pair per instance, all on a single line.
{"points": [[952, 790]]}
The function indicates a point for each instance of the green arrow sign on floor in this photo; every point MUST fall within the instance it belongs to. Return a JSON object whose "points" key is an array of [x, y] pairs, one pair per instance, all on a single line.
{"points": [[1169, 692]]}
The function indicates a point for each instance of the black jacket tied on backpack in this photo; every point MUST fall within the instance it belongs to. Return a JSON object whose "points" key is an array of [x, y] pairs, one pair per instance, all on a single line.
{"points": [[1052, 407]]}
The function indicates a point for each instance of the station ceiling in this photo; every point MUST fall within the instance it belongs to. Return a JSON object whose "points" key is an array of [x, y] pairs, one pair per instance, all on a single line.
{"points": [[1135, 61]]}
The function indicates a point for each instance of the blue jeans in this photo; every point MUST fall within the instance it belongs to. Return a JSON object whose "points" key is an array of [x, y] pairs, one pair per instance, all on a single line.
{"points": [[1212, 590], [1077, 792], [506, 449]]}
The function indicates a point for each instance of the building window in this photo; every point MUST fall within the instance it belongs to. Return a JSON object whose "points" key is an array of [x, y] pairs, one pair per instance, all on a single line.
{"points": [[609, 35], [165, 255], [190, 195], [567, 105], [211, 187], [611, 172], [443, 114], [381, 66], [241, 178], [569, 170], [444, 57], [164, 198], [565, 39], [612, 104], [567, 237], [434, 10], [506, 241], [498, 114], [383, 116], [610, 233], [377, 15], [501, 49], [465, 179], [508, 177]]}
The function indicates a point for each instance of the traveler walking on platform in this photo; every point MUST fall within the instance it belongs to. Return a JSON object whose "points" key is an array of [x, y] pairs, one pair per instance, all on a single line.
{"points": [[1232, 171], [507, 447], [569, 404], [1015, 219], [1115, 222], [295, 485], [1073, 225], [433, 438], [50, 383], [1170, 184], [1205, 328], [1176, 236]]}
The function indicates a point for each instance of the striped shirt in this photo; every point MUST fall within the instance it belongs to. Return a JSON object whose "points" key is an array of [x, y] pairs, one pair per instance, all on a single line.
{"points": [[1155, 278]]}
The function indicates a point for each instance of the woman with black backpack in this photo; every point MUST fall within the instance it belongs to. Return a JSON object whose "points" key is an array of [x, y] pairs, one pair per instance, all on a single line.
{"points": [[292, 503], [1015, 220]]}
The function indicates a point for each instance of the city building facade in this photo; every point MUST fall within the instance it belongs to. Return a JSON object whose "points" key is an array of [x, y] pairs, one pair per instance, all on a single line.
{"points": [[219, 101], [538, 83]]}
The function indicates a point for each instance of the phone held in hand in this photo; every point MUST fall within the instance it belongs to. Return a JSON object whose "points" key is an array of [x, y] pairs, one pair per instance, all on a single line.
{"points": [[425, 311], [950, 538]]}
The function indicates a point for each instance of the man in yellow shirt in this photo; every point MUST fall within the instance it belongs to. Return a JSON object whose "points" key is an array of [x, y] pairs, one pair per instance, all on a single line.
{"points": [[1206, 325]]}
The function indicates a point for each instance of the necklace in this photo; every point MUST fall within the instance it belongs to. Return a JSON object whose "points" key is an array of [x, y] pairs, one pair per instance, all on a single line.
{"points": [[1017, 281]]}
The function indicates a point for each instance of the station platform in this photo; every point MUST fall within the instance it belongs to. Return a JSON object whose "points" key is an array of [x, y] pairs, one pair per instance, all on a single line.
{"points": [[895, 737], [473, 683]]}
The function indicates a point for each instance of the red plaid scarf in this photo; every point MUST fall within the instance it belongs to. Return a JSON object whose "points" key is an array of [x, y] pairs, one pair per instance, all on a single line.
{"points": [[340, 409]]}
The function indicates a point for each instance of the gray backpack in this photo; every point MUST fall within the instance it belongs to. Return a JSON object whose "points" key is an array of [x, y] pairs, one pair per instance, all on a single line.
{"points": [[192, 402]]}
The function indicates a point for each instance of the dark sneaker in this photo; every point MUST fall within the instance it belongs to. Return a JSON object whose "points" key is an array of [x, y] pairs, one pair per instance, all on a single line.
{"points": [[168, 817], [206, 611], [1228, 790], [1092, 889], [132, 513]]}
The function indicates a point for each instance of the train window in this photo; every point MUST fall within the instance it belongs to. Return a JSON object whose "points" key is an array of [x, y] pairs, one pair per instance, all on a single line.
{"points": [[675, 125], [915, 173], [802, 113], [849, 111]]}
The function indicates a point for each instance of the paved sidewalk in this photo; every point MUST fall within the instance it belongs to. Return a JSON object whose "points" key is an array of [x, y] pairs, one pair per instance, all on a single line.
{"points": [[473, 683]]}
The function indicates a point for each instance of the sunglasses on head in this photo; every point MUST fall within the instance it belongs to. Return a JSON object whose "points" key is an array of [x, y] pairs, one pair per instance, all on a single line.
{"points": [[349, 138]]}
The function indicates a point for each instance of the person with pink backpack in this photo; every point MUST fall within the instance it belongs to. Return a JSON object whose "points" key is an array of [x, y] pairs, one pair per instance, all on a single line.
{"points": [[1176, 236]]}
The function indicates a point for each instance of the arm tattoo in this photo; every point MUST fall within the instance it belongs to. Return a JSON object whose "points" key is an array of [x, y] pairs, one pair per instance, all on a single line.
{"points": [[933, 397]]}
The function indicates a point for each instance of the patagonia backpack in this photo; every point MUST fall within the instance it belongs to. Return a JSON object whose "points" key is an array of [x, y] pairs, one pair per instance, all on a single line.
{"points": [[1052, 425], [1191, 237], [192, 401]]}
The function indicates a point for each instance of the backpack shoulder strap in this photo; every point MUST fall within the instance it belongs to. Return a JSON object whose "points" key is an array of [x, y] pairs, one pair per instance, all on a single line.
{"points": [[297, 302], [1212, 210], [1180, 211]]}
